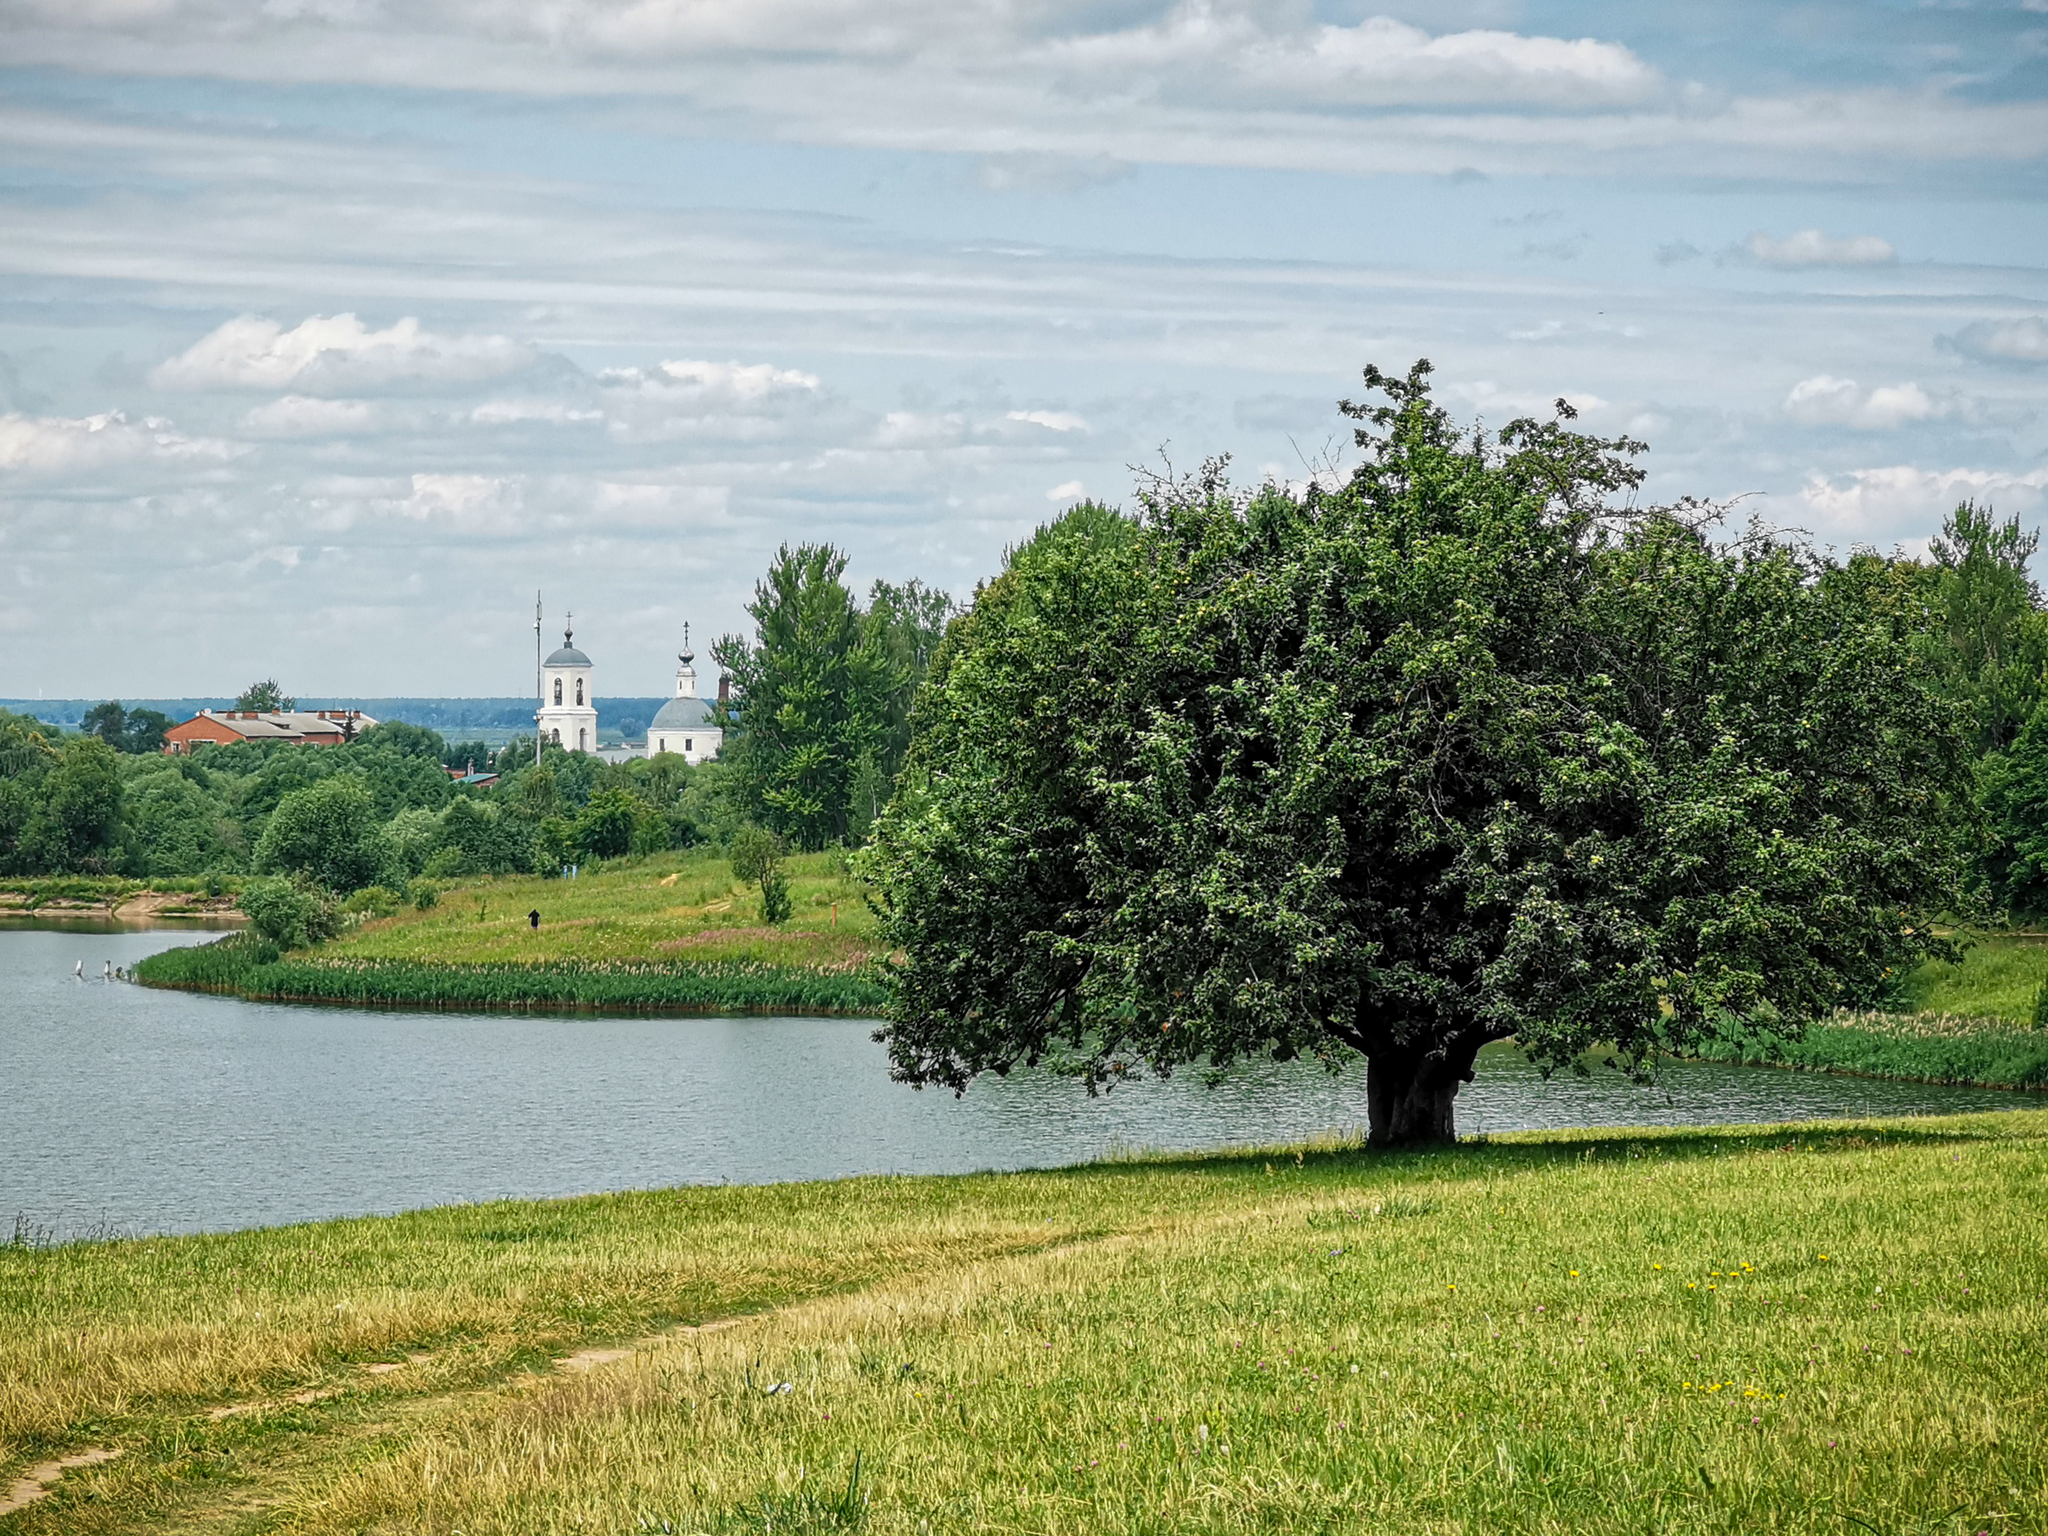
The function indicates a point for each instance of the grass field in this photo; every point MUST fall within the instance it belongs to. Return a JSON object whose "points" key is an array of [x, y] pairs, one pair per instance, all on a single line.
{"points": [[1809, 1329], [1999, 977], [671, 933], [664, 908]]}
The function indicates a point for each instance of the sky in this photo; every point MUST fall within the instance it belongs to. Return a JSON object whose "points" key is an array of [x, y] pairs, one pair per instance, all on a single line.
{"points": [[330, 330]]}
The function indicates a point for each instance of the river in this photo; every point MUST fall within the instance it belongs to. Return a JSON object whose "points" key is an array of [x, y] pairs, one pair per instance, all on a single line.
{"points": [[128, 1110]]}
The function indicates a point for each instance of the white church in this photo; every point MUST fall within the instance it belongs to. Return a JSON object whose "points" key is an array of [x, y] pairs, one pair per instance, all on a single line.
{"points": [[685, 725]]}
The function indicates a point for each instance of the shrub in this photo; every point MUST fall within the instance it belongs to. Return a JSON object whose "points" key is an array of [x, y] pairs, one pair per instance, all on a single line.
{"points": [[373, 901], [424, 894], [755, 853], [328, 832], [289, 915], [605, 829], [775, 902]]}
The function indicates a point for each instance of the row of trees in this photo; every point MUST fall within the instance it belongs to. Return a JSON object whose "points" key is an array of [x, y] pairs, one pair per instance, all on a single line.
{"points": [[378, 810]]}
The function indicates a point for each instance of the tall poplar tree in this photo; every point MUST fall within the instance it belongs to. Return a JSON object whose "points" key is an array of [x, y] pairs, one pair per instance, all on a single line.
{"points": [[814, 687]]}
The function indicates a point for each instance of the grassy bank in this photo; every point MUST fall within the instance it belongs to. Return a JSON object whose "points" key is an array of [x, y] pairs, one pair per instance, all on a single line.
{"points": [[1927, 1048], [60, 893], [256, 972], [1807, 1329], [1969, 1023], [2000, 976], [674, 933]]}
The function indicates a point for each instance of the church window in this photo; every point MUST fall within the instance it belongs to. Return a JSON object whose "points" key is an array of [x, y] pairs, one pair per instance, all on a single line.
{"points": [[556, 735], [558, 690], [579, 690], [688, 744], [582, 741]]}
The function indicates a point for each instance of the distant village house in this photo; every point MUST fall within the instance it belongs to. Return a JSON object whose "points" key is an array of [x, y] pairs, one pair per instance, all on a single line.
{"points": [[305, 727]]}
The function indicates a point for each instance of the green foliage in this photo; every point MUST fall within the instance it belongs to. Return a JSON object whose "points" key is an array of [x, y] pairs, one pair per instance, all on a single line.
{"points": [[775, 903], [2014, 792], [472, 755], [79, 819], [1925, 1048], [605, 829], [424, 895], [290, 914], [824, 689], [555, 845], [1991, 642], [131, 731], [373, 901], [754, 853], [729, 987], [330, 833], [265, 697], [1459, 751], [484, 839]]}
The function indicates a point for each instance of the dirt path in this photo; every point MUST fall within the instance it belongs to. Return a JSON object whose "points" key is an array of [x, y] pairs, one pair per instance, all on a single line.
{"points": [[35, 1482]]}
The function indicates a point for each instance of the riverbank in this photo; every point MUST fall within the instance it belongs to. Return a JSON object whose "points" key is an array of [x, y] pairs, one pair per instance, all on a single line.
{"points": [[675, 933], [1584, 1332], [250, 969], [1976, 1023], [113, 899], [1971, 1051]]}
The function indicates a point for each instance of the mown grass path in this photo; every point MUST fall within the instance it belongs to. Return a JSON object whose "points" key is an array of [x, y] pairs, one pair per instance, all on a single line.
{"points": [[1796, 1329]]}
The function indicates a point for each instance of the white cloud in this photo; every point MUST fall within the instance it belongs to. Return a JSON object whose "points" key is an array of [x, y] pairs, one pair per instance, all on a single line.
{"points": [[2006, 341], [333, 354], [1811, 248], [691, 398], [1070, 490], [1827, 401], [1201, 46], [306, 416], [499, 413], [1868, 503], [922, 430], [1054, 421], [53, 446], [471, 501]]}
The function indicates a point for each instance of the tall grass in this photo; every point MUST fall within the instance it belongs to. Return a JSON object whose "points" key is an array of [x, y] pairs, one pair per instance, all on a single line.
{"points": [[1928, 1048], [1810, 1329], [2000, 976], [250, 969]]}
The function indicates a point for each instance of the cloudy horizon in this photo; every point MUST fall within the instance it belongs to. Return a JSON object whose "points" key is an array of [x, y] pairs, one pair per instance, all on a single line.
{"points": [[332, 329]]}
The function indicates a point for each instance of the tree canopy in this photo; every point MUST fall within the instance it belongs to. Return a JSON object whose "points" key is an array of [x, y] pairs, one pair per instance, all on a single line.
{"points": [[1462, 749], [825, 690], [265, 697]]}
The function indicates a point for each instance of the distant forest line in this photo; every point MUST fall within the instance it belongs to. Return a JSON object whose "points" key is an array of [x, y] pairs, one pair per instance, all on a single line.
{"points": [[494, 715]]}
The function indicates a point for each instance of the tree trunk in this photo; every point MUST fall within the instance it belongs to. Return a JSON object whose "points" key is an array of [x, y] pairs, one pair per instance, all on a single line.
{"points": [[1409, 1093]]}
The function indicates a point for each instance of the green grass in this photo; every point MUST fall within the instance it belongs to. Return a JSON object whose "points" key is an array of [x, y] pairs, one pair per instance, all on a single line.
{"points": [[674, 933], [663, 908], [716, 986], [1922, 1047], [1810, 1329], [1970, 1023], [1999, 977]]}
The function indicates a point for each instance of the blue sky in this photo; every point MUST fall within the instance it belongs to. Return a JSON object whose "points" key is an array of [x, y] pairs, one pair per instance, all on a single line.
{"points": [[329, 329]]}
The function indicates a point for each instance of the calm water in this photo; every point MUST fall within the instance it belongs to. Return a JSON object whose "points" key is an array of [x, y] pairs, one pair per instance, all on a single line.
{"points": [[163, 1111]]}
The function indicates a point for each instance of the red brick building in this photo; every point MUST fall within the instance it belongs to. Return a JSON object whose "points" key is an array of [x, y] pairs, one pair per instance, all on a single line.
{"points": [[305, 727]]}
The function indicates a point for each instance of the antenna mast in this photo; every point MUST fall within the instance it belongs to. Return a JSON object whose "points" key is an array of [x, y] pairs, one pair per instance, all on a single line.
{"points": [[539, 697]]}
